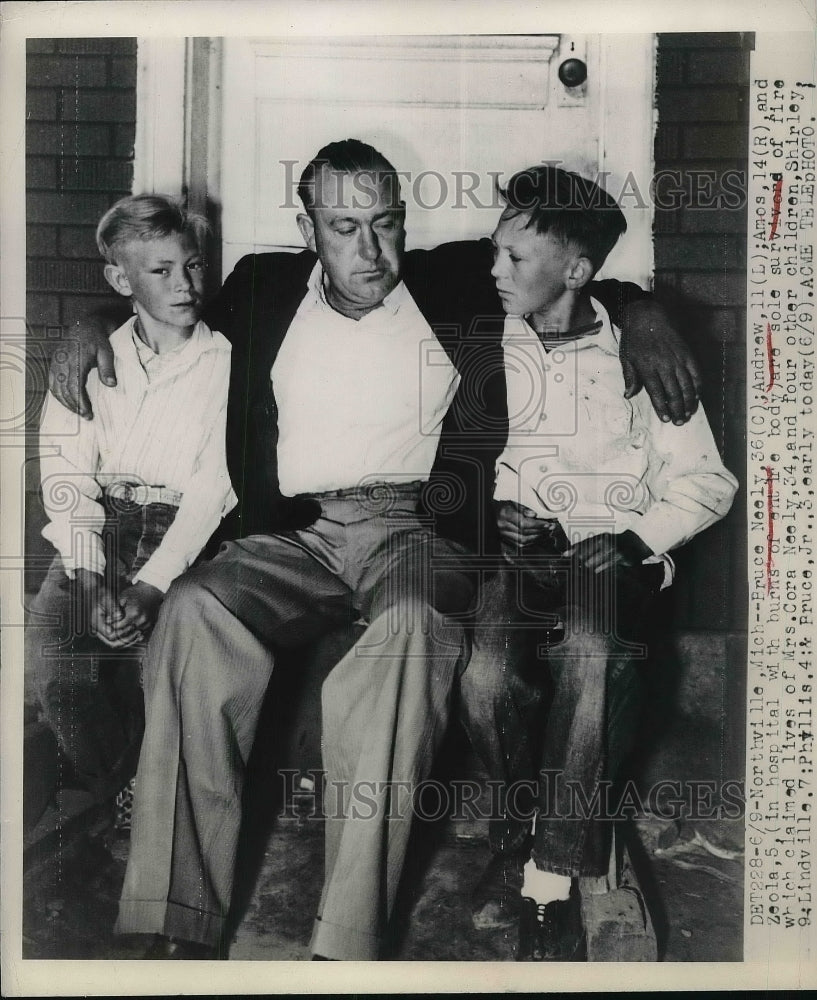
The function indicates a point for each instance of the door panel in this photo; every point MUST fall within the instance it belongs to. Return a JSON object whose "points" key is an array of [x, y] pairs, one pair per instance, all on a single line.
{"points": [[453, 113]]}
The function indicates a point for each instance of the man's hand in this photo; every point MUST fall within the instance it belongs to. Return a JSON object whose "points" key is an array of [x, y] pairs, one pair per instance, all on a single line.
{"points": [[105, 618], [519, 526], [608, 551], [85, 347], [655, 356], [140, 604]]}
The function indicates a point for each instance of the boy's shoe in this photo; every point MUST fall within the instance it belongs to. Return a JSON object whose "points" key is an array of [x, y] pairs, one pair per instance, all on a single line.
{"points": [[497, 898], [552, 932], [167, 948]]}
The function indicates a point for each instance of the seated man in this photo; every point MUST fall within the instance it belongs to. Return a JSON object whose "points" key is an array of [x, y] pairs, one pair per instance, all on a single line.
{"points": [[347, 445], [592, 491]]}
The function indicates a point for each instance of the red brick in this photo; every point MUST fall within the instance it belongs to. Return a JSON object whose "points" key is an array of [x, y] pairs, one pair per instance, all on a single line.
{"points": [[76, 307], [65, 71], [68, 140], [41, 104], [96, 175], [718, 67], [97, 46], [665, 220], [42, 310], [670, 68], [123, 71], [665, 284], [703, 40], [698, 252], [726, 289], [70, 208], [667, 141], [41, 241], [65, 276], [78, 241], [714, 141], [719, 166], [124, 137], [729, 327], [674, 187], [684, 104], [100, 106], [41, 172], [720, 220], [40, 45]]}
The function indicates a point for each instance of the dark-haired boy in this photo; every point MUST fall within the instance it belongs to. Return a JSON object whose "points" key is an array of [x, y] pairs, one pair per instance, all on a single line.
{"points": [[592, 490]]}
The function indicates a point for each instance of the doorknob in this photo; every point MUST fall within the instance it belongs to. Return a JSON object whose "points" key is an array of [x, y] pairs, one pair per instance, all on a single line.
{"points": [[573, 72]]}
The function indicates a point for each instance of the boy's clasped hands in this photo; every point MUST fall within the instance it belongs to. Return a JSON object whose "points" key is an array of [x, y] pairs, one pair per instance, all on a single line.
{"points": [[520, 526], [120, 622]]}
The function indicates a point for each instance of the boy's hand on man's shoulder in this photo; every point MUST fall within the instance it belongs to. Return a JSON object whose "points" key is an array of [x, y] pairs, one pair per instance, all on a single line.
{"points": [[140, 604], [608, 551]]}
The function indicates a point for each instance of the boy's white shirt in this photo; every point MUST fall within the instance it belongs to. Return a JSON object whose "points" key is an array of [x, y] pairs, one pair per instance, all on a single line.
{"points": [[168, 431], [579, 451]]}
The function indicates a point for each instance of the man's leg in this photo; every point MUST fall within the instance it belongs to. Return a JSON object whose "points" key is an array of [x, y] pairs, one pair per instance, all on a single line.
{"points": [[385, 711], [206, 670]]}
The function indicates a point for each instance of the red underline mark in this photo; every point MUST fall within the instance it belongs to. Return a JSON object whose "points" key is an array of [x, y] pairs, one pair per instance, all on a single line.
{"points": [[769, 356], [770, 524], [777, 198]]}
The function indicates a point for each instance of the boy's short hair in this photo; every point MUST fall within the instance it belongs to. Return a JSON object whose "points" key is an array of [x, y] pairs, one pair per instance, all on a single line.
{"points": [[146, 217], [570, 207]]}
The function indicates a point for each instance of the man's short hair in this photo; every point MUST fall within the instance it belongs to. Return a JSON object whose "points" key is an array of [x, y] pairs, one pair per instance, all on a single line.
{"points": [[146, 217], [348, 156], [570, 207]]}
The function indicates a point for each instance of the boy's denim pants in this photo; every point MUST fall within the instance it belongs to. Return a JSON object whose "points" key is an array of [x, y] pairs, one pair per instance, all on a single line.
{"points": [[544, 628], [90, 694]]}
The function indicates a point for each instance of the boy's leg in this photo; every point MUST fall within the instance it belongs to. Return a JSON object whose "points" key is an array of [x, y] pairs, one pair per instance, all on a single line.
{"points": [[385, 711], [501, 704], [89, 694], [206, 671], [591, 719]]}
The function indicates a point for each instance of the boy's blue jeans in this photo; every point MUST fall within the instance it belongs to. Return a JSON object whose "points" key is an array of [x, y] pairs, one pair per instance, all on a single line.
{"points": [[543, 624], [90, 694]]}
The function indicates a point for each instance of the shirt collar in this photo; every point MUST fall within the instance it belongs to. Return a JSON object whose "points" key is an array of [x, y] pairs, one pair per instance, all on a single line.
{"points": [[124, 344], [316, 293], [605, 340]]}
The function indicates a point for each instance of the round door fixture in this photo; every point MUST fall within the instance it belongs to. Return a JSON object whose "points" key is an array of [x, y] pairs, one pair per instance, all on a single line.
{"points": [[573, 72]]}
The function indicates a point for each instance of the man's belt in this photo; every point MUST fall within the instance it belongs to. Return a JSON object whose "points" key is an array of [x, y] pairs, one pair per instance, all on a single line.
{"points": [[136, 493]]}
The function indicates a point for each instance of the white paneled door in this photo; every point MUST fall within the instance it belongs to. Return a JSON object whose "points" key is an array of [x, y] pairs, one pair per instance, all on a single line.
{"points": [[455, 114]]}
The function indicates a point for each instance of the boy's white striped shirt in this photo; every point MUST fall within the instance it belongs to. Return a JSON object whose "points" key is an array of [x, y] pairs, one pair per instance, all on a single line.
{"points": [[168, 431]]}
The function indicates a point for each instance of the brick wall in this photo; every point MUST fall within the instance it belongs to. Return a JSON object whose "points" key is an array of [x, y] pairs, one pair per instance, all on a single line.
{"points": [[80, 124], [80, 128], [700, 260]]}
